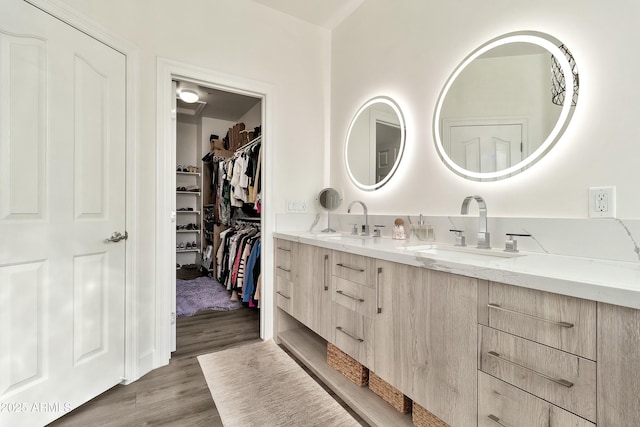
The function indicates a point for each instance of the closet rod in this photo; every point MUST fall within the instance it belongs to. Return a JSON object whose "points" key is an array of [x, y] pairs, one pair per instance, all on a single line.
{"points": [[249, 144]]}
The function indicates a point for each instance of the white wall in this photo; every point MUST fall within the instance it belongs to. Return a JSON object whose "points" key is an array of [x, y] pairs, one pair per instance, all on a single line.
{"points": [[253, 117], [407, 50], [213, 127], [235, 37], [187, 144]]}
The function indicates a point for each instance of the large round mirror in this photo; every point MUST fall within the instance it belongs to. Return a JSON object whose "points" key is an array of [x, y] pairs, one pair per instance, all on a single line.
{"points": [[375, 142], [505, 106]]}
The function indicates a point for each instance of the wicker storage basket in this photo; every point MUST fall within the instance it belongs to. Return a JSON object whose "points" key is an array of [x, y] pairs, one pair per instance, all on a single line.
{"points": [[347, 366], [389, 393], [423, 418]]}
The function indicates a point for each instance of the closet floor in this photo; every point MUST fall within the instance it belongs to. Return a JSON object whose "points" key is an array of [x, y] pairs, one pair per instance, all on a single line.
{"points": [[176, 394]]}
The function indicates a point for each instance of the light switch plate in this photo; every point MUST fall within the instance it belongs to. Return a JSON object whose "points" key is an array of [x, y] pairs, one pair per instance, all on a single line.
{"points": [[602, 202]]}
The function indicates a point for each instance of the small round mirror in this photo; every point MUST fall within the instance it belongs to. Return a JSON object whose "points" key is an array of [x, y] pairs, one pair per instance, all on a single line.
{"points": [[330, 199], [375, 142]]}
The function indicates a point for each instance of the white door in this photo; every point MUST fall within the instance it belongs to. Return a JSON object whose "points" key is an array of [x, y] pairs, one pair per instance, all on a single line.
{"points": [[62, 192], [387, 147], [485, 148]]}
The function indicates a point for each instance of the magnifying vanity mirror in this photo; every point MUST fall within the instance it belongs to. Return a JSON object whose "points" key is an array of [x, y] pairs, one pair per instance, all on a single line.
{"points": [[505, 106], [330, 200], [375, 143]]}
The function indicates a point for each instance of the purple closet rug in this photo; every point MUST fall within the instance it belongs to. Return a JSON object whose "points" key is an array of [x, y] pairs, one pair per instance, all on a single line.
{"points": [[202, 293]]}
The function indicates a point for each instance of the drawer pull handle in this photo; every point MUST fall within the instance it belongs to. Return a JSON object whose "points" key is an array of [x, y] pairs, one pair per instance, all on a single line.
{"points": [[361, 270], [353, 297], [496, 420], [283, 295], [562, 382], [324, 273], [284, 249], [348, 334], [378, 290], [541, 319], [283, 269]]}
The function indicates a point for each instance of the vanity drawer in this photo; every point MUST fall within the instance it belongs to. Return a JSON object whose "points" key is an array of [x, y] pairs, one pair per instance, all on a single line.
{"points": [[356, 268], [561, 378], [353, 296], [501, 404], [284, 294], [353, 333], [559, 321], [284, 258]]}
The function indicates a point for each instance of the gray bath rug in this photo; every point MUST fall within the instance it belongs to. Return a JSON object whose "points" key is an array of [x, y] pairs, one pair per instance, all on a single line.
{"points": [[202, 293], [260, 385]]}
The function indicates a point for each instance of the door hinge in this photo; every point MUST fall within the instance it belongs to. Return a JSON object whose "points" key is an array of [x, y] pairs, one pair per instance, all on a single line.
{"points": [[173, 317]]}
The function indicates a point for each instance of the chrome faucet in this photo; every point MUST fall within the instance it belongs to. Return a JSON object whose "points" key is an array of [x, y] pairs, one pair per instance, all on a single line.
{"points": [[365, 227], [484, 238]]}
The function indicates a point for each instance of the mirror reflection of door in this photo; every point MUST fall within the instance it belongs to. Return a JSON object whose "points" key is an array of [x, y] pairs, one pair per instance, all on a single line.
{"points": [[385, 140], [387, 147], [487, 147]]}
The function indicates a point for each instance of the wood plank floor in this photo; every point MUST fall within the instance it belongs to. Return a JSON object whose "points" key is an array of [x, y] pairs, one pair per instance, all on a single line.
{"points": [[176, 394]]}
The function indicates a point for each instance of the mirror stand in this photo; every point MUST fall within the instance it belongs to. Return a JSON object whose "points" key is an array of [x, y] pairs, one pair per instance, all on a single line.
{"points": [[328, 229]]}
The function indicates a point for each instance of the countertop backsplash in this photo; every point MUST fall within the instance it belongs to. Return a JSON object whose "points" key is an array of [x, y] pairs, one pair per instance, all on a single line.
{"points": [[608, 239]]}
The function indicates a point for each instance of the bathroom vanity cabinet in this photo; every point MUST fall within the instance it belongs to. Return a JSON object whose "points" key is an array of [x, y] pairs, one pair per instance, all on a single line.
{"points": [[541, 343], [313, 280], [618, 366], [471, 351]]}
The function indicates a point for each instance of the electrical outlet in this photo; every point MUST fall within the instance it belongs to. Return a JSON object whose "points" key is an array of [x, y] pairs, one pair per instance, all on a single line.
{"points": [[602, 202]]}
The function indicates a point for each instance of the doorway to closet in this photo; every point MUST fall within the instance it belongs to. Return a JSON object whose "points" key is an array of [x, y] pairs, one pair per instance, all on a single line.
{"points": [[218, 214]]}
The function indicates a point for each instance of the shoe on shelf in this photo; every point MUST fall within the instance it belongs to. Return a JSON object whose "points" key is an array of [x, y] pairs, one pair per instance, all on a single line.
{"points": [[188, 246], [177, 266], [179, 168], [181, 246]]}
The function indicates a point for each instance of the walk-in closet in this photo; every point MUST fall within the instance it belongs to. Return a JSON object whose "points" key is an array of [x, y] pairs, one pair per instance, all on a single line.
{"points": [[218, 207]]}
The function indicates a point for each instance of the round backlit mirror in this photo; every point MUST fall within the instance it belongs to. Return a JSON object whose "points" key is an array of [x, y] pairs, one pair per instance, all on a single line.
{"points": [[375, 143], [505, 106]]}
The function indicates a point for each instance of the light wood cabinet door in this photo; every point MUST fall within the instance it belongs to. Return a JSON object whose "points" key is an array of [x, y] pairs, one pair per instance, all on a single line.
{"points": [[442, 351], [559, 321], [564, 379], [284, 259], [284, 294], [355, 268], [394, 324], [618, 366], [312, 302], [353, 334], [501, 404], [284, 267]]}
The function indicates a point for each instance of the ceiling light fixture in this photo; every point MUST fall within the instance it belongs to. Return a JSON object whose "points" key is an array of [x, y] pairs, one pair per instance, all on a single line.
{"points": [[189, 96]]}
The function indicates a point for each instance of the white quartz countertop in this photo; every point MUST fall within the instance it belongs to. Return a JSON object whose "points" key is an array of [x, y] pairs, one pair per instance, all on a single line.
{"points": [[612, 282]]}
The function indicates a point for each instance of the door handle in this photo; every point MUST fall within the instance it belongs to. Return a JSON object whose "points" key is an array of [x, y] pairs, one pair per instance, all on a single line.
{"points": [[116, 237]]}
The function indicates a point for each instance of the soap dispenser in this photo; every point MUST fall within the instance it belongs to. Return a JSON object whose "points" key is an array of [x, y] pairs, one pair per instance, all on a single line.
{"points": [[424, 231]]}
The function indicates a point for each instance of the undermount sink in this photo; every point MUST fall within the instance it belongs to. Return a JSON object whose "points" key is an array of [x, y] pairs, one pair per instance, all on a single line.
{"points": [[438, 249]]}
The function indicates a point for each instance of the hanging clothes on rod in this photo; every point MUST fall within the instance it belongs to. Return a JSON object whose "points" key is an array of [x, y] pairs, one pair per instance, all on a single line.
{"points": [[238, 260], [237, 182]]}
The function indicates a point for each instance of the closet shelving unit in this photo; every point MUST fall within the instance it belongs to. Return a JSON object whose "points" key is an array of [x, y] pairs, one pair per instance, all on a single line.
{"points": [[188, 199]]}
